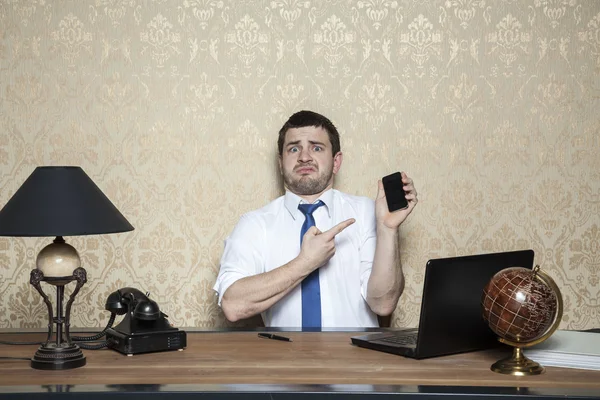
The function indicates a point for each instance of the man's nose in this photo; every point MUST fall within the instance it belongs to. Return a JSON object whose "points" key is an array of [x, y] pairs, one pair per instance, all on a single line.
{"points": [[305, 155]]}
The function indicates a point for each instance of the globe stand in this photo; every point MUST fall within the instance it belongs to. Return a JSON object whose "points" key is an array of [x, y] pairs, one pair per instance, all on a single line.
{"points": [[517, 365], [63, 353]]}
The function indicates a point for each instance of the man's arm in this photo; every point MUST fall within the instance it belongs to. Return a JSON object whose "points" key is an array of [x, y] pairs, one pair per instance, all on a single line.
{"points": [[252, 295], [386, 282]]}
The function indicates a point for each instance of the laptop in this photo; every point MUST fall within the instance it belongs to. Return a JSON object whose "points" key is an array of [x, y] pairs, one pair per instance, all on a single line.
{"points": [[451, 320]]}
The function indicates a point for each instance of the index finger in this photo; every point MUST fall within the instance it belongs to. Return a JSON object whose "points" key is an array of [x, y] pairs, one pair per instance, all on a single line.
{"points": [[339, 227]]}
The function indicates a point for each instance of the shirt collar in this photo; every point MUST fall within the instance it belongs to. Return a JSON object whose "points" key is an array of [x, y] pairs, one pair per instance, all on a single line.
{"points": [[292, 201]]}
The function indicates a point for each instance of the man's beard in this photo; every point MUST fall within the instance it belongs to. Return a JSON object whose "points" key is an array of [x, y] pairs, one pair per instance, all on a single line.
{"points": [[306, 185]]}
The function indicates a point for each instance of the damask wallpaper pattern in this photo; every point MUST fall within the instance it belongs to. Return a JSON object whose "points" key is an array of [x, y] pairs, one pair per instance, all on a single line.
{"points": [[172, 107]]}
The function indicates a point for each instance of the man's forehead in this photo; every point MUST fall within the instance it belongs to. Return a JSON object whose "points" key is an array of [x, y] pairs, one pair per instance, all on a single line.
{"points": [[310, 133]]}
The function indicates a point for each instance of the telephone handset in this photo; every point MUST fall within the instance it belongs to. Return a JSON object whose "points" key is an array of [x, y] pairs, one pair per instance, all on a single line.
{"points": [[130, 299], [144, 328]]}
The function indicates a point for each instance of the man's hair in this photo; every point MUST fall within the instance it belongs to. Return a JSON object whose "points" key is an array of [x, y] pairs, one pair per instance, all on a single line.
{"points": [[310, 118]]}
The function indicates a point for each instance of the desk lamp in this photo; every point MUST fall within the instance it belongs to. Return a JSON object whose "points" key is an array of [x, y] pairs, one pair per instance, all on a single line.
{"points": [[59, 201]]}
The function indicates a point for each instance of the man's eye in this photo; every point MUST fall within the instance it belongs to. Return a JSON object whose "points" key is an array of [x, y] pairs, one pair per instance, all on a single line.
{"points": [[318, 148], [293, 149]]}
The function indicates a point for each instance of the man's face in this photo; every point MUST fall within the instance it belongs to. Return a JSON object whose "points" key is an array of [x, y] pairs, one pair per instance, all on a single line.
{"points": [[307, 163]]}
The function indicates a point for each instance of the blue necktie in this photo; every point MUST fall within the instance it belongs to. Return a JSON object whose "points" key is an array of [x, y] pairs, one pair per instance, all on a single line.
{"points": [[311, 289]]}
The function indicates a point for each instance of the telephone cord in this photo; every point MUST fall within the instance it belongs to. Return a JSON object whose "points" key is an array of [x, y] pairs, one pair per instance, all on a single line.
{"points": [[98, 346], [76, 339], [19, 343], [97, 336]]}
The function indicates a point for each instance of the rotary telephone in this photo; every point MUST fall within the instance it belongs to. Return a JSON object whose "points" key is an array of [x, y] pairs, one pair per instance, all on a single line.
{"points": [[144, 328]]}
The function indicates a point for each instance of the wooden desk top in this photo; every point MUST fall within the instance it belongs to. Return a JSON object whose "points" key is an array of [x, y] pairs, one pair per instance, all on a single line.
{"points": [[312, 358]]}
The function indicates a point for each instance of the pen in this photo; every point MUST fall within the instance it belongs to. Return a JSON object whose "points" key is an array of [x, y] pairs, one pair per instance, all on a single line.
{"points": [[275, 337]]}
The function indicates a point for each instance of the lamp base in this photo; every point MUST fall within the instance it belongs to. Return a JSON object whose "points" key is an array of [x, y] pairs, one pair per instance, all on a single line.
{"points": [[57, 357]]}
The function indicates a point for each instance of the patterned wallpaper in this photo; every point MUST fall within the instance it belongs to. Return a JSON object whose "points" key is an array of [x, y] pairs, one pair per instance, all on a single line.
{"points": [[172, 107]]}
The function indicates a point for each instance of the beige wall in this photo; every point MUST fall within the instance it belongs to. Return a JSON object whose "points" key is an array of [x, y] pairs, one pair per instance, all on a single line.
{"points": [[172, 108]]}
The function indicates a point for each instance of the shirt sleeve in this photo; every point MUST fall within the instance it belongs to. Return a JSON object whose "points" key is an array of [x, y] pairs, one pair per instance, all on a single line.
{"points": [[242, 255], [368, 240]]}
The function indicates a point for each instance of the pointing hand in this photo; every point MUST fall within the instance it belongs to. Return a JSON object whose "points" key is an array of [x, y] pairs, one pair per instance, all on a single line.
{"points": [[318, 247]]}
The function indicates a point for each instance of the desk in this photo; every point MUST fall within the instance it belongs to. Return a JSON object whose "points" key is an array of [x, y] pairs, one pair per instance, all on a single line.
{"points": [[231, 365]]}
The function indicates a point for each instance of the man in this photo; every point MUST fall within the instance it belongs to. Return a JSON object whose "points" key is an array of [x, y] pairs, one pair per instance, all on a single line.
{"points": [[343, 271]]}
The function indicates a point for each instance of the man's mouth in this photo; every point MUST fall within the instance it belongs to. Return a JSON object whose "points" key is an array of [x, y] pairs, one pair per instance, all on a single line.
{"points": [[305, 170]]}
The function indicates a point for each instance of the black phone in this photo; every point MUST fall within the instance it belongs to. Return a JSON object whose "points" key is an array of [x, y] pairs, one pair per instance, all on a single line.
{"points": [[394, 192], [144, 327]]}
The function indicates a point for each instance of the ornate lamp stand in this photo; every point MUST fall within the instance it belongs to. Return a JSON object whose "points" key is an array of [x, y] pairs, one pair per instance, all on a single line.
{"points": [[62, 353]]}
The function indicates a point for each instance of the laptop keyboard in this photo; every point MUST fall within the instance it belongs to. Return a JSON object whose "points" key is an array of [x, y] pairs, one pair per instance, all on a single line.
{"points": [[409, 339]]}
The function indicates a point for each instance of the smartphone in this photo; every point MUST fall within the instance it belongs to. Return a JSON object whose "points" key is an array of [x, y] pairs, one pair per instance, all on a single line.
{"points": [[394, 192]]}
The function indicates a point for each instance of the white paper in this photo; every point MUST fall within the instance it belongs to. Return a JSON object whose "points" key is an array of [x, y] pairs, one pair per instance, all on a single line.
{"points": [[568, 349]]}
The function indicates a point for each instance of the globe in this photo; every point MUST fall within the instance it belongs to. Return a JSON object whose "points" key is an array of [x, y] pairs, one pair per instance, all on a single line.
{"points": [[522, 307]]}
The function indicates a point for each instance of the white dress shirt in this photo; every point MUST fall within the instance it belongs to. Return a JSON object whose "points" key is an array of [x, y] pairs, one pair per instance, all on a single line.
{"points": [[269, 237]]}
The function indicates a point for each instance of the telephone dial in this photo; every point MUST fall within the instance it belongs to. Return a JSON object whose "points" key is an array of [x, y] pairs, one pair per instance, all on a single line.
{"points": [[144, 328]]}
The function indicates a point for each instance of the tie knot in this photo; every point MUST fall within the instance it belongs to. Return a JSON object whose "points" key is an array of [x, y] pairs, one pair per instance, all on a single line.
{"points": [[308, 209]]}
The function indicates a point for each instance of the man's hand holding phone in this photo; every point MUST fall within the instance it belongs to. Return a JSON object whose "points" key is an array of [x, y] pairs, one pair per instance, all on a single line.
{"points": [[396, 198]]}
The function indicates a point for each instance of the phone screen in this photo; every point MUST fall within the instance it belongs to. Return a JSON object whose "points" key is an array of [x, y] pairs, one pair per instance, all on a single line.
{"points": [[394, 193]]}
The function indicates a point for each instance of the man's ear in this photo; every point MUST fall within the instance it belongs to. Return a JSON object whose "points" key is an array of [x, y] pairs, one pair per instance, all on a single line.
{"points": [[280, 165], [337, 162]]}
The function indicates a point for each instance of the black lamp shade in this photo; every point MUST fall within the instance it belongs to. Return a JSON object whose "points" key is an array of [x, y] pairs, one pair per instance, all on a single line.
{"points": [[60, 201]]}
